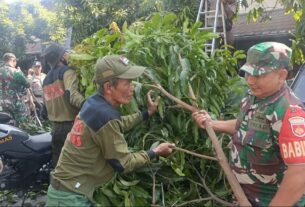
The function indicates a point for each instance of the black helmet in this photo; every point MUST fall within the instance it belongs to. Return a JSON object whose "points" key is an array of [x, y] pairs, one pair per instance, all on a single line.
{"points": [[53, 54]]}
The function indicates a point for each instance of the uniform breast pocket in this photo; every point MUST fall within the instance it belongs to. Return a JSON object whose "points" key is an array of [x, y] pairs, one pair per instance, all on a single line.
{"points": [[263, 153]]}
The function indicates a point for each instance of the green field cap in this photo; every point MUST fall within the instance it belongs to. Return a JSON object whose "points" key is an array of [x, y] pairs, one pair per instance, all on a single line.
{"points": [[266, 57], [116, 66]]}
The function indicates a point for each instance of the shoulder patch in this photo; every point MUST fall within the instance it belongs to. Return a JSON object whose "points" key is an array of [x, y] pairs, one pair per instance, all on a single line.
{"points": [[76, 133], [297, 125], [292, 136]]}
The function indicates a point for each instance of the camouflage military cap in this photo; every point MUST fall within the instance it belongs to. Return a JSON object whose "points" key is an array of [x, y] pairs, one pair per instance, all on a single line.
{"points": [[116, 66], [266, 57]]}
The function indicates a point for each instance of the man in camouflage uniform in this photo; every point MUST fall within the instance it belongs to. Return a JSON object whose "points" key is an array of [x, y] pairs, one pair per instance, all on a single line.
{"points": [[96, 149], [268, 152], [13, 85], [36, 80], [61, 96]]}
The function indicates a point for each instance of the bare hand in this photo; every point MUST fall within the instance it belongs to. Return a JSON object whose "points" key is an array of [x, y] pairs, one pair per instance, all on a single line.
{"points": [[164, 149], [201, 117], [152, 105], [30, 72]]}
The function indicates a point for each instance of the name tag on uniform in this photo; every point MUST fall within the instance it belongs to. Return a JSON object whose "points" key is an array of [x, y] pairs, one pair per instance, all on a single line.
{"points": [[259, 123]]}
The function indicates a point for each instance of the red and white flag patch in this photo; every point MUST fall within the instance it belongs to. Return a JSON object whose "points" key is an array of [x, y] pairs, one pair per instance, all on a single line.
{"points": [[297, 126], [292, 136]]}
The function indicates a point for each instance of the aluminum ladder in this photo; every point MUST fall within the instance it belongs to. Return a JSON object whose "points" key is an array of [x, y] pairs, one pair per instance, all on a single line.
{"points": [[208, 14]]}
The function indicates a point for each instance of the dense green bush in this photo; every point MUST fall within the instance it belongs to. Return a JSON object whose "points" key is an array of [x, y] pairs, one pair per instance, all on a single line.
{"points": [[173, 53]]}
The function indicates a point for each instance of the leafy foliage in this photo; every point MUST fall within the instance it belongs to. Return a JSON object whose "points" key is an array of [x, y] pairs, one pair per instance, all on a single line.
{"points": [[88, 16], [24, 21], [173, 53]]}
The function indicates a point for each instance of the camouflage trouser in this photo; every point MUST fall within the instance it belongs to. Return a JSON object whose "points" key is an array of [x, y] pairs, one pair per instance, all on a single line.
{"points": [[19, 113], [59, 133]]}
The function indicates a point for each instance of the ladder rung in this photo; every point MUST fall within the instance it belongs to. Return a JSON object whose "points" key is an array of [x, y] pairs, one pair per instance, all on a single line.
{"points": [[210, 17], [207, 12], [205, 28]]}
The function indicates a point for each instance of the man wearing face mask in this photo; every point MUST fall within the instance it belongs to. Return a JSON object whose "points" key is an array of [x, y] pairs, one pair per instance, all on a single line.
{"points": [[61, 96]]}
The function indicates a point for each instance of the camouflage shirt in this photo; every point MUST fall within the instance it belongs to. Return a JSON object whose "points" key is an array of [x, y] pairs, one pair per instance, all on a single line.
{"points": [[255, 158], [13, 85], [36, 85]]}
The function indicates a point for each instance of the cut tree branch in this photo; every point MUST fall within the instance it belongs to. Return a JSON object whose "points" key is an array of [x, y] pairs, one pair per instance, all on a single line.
{"points": [[195, 154], [236, 188]]}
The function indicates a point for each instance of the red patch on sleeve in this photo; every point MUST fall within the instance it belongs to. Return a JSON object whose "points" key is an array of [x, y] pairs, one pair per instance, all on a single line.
{"points": [[77, 132], [292, 136], [53, 91]]}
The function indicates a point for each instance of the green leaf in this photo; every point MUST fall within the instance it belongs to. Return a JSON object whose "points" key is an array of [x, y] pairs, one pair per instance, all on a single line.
{"points": [[83, 57], [178, 171], [129, 183], [139, 192]]}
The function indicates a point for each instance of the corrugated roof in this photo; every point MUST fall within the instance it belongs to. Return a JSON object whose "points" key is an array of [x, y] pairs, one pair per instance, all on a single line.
{"points": [[278, 25]]}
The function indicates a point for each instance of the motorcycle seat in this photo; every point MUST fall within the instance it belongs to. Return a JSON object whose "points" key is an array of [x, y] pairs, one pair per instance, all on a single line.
{"points": [[39, 142]]}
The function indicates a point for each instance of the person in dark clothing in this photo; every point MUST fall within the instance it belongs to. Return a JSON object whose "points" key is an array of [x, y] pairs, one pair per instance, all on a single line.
{"points": [[96, 149], [61, 96]]}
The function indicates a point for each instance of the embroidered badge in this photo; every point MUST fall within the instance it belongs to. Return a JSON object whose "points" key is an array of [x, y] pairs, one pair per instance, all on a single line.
{"points": [[297, 125], [76, 133], [124, 60]]}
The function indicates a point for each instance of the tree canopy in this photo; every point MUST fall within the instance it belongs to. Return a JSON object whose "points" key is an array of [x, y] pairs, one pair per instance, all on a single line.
{"points": [[89, 16], [26, 21]]}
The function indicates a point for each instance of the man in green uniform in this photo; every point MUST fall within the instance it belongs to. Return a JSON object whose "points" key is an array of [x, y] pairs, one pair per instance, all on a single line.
{"points": [[13, 86], [268, 151], [96, 149], [61, 96], [36, 79]]}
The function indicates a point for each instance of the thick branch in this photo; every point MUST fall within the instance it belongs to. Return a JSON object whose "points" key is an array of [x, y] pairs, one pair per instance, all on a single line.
{"points": [[195, 154], [236, 188], [173, 98]]}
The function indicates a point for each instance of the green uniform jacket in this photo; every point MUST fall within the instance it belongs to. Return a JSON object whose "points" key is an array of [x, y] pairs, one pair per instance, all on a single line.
{"points": [[96, 149], [13, 85], [255, 156], [61, 95]]}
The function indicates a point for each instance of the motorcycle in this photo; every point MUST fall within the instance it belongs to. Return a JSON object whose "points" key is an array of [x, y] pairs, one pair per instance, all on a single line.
{"points": [[26, 159]]}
